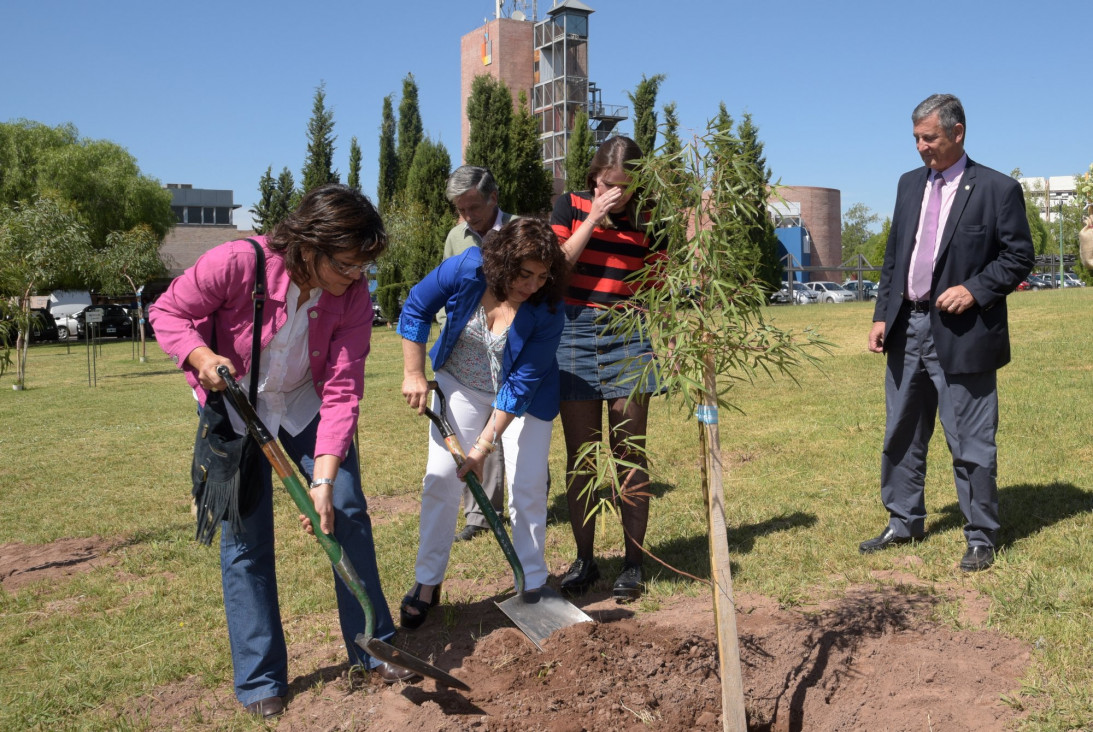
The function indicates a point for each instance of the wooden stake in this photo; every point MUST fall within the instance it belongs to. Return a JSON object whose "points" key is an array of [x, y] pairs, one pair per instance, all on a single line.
{"points": [[728, 646]]}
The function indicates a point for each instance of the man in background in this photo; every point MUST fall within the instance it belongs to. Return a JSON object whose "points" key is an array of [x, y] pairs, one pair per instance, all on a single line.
{"points": [[959, 243]]}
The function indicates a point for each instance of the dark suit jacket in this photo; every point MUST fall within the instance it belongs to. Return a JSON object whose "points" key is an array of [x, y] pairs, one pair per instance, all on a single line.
{"points": [[986, 246]]}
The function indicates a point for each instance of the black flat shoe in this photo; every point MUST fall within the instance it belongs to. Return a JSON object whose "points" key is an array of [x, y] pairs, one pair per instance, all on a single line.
{"points": [[413, 601], [977, 558], [469, 532], [884, 540], [580, 576], [628, 586]]}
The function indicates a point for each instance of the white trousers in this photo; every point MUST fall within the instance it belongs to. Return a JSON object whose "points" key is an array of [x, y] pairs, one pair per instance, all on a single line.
{"points": [[526, 445]]}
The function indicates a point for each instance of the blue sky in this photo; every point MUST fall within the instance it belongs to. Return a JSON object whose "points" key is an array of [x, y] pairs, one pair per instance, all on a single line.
{"points": [[211, 93]]}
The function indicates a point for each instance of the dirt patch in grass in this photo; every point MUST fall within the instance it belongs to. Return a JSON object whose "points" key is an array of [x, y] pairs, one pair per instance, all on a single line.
{"points": [[869, 660], [21, 564]]}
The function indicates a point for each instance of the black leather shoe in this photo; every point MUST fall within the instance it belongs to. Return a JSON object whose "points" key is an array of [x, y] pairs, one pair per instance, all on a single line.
{"points": [[884, 540], [391, 673], [627, 587], [582, 573], [469, 532], [977, 558], [272, 706]]}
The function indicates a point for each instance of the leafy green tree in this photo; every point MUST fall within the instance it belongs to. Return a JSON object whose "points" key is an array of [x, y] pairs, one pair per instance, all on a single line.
{"points": [[489, 114], [260, 212], [530, 185], [644, 101], [764, 244], [41, 243], [706, 316], [319, 163], [417, 219], [277, 200], [1041, 237], [875, 246], [672, 145], [23, 144], [100, 180], [388, 157], [425, 184], [856, 229], [354, 180], [724, 145], [130, 260], [410, 129], [582, 148]]}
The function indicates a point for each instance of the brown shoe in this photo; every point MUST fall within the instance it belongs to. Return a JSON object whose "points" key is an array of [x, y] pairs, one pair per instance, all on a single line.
{"points": [[390, 673], [273, 706]]}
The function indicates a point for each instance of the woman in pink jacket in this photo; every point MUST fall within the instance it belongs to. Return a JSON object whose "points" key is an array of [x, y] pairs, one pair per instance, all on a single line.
{"points": [[315, 336]]}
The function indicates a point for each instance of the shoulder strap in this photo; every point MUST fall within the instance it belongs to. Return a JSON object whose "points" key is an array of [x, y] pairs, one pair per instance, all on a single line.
{"points": [[259, 296]]}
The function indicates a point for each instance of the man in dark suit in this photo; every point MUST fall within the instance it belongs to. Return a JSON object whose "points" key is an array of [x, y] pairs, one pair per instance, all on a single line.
{"points": [[959, 244]]}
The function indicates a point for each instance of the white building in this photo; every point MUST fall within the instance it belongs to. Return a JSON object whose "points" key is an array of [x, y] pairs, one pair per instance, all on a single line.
{"points": [[1052, 192]]}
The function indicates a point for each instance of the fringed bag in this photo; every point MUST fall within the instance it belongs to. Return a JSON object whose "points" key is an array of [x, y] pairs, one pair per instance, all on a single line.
{"points": [[226, 465]]}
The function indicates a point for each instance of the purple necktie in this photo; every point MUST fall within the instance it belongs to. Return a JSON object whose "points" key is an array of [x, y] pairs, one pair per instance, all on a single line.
{"points": [[921, 277]]}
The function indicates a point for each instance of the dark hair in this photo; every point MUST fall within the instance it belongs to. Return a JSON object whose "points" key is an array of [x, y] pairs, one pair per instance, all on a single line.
{"points": [[950, 112], [504, 252], [617, 152], [330, 219]]}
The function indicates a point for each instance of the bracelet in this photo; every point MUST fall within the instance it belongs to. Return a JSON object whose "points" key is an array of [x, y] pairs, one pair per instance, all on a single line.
{"points": [[486, 447], [322, 481]]}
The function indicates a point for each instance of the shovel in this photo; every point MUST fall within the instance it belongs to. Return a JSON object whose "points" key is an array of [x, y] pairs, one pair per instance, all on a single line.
{"points": [[540, 612], [374, 646]]}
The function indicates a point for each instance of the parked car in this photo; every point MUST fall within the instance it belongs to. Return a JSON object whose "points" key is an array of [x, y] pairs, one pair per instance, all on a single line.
{"points": [[65, 315], [830, 291], [868, 289], [801, 295], [115, 322], [1069, 280], [42, 328], [1035, 282]]}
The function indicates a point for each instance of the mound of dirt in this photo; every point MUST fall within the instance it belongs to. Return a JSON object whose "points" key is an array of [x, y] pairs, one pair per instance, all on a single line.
{"points": [[868, 661], [871, 659]]}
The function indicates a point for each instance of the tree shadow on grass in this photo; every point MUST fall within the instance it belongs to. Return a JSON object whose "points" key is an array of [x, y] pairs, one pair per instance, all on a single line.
{"points": [[692, 554], [1024, 509]]}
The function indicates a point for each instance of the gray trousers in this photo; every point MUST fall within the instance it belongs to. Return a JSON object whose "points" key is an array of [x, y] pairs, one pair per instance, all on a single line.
{"points": [[493, 484], [917, 391]]}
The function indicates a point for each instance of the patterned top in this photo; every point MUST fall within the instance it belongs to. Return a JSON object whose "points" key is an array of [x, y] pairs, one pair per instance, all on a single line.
{"points": [[600, 274], [476, 359]]}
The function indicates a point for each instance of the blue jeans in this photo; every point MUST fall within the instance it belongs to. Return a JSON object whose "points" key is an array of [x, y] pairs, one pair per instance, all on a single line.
{"points": [[259, 657]]}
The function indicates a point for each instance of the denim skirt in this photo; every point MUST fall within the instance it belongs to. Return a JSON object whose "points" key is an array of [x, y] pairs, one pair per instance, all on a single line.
{"points": [[595, 363]]}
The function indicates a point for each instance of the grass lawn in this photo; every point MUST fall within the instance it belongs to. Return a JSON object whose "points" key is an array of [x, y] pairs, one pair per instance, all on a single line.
{"points": [[801, 484]]}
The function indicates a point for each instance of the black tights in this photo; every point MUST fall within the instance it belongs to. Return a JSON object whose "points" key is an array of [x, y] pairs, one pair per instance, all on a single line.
{"points": [[582, 421]]}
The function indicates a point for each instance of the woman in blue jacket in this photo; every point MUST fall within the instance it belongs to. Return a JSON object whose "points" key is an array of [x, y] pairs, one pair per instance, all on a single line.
{"points": [[495, 360]]}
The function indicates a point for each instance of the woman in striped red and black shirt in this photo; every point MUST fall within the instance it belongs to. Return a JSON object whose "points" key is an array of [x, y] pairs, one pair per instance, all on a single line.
{"points": [[606, 240]]}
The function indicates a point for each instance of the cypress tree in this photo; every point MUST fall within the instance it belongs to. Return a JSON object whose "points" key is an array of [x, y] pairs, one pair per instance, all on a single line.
{"points": [[354, 180], [489, 142], [644, 100], [260, 212], [388, 161], [530, 184], [410, 129], [761, 228], [319, 164], [582, 147]]}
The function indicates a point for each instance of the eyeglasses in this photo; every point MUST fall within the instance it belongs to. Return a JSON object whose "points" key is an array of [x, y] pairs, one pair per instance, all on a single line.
{"points": [[348, 270]]}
